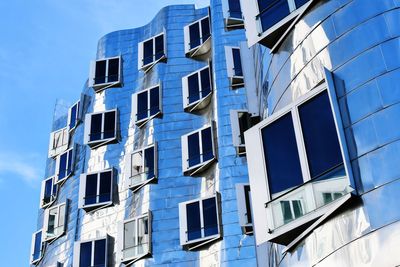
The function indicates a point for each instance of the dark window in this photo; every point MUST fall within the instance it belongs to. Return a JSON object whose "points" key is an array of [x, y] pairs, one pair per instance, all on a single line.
{"points": [[153, 49], [271, 12], [62, 171], [109, 125], [244, 124], [193, 221], [102, 126], [210, 217], [98, 188], [37, 248], [280, 151], [142, 106], [205, 82], [154, 101], [237, 63], [248, 203], [234, 9], [105, 186], [107, 71], [74, 111], [207, 144], [196, 92], [100, 253], [194, 32], [50, 191], [193, 88], [91, 189], [159, 45], [205, 29], [85, 255], [194, 149], [148, 52], [149, 162], [101, 67], [113, 70], [95, 127], [148, 103], [69, 165]]}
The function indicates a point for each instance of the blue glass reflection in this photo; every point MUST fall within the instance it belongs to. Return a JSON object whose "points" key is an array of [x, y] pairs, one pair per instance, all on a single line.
{"points": [[210, 217], [193, 221]]}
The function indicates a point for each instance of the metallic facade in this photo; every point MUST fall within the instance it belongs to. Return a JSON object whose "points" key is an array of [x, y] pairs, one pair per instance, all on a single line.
{"points": [[163, 197]]}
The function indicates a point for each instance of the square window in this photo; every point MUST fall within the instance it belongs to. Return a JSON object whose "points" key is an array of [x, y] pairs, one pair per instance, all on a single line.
{"points": [[232, 14], [234, 66], [58, 142], [197, 89], [197, 37], [65, 165], [48, 192], [198, 150], [146, 105], [135, 237], [96, 190], [37, 248], [105, 73], [241, 121], [199, 221], [244, 207], [74, 116], [55, 220], [101, 128], [152, 51], [91, 253], [143, 167]]}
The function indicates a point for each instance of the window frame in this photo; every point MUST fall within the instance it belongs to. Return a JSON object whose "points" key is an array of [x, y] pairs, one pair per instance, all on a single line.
{"points": [[140, 123], [236, 134], [121, 238], [53, 197], [147, 67], [55, 151], [82, 191], [196, 243], [98, 143], [77, 116], [247, 227], [205, 45], [204, 101], [46, 237], [235, 81], [203, 165], [72, 159], [77, 250], [136, 186], [231, 23], [42, 247], [103, 86]]}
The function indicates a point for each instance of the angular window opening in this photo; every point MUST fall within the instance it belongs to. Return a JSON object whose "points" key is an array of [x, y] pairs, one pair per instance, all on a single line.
{"points": [[48, 192], [65, 165], [91, 253], [198, 150], [197, 89], [232, 14], [96, 190], [197, 37], [105, 73], [241, 121], [146, 105], [55, 219], [234, 67], [244, 208], [152, 51], [136, 236], [199, 222], [143, 167], [74, 116], [101, 128], [58, 142], [37, 248]]}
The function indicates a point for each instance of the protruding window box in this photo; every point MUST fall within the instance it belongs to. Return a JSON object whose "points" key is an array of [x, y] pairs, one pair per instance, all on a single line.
{"points": [[199, 222], [135, 238], [96, 190], [198, 37], [244, 208], [91, 253], [55, 221], [58, 142], [241, 121], [74, 116], [105, 73], [197, 89], [198, 150], [232, 14], [37, 248], [65, 165], [143, 167], [48, 192], [101, 128], [234, 67], [152, 51], [146, 105]]}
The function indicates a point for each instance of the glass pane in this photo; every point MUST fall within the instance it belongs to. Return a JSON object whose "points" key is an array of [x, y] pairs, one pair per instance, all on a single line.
{"points": [[194, 32], [248, 203], [207, 143], [149, 162], [299, 3], [70, 162], [109, 125], [210, 217], [193, 149], [91, 189], [154, 101], [234, 9], [85, 255], [205, 82], [193, 87], [63, 166], [193, 221], [61, 219], [320, 135], [159, 46], [327, 197], [51, 226], [95, 127], [38, 246], [48, 191], [100, 253], [205, 29], [74, 111], [105, 186], [237, 63], [148, 52], [113, 70], [129, 239], [143, 235], [281, 155], [271, 12], [286, 211], [100, 73], [244, 124], [137, 171], [142, 106], [297, 208]]}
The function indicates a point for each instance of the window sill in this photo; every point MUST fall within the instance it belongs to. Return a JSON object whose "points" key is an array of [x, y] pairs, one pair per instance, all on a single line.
{"points": [[97, 206], [199, 168], [132, 260], [234, 23], [103, 86], [237, 82], [199, 104], [202, 49], [197, 243], [137, 186], [142, 122], [146, 68], [60, 182], [102, 142]]}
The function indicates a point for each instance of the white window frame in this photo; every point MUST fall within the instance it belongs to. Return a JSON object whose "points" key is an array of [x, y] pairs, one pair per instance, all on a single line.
{"points": [[205, 45], [57, 225], [194, 244], [77, 250], [54, 149], [42, 248], [54, 194], [231, 23], [234, 80], [204, 100], [102, 86], [97, 143], [203, 165], [121, 238], [262, 202], [77, 116], [247, 227], [149, 117], [136, 186], [147, 67], [82, 190], [72, 159]]}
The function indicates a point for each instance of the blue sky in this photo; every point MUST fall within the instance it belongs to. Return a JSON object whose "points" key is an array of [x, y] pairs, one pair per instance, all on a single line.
{"points": [[45, 50]]}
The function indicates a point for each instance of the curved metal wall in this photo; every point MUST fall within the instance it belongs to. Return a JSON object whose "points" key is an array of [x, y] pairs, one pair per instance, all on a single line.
{"points": [[162, 198]]}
